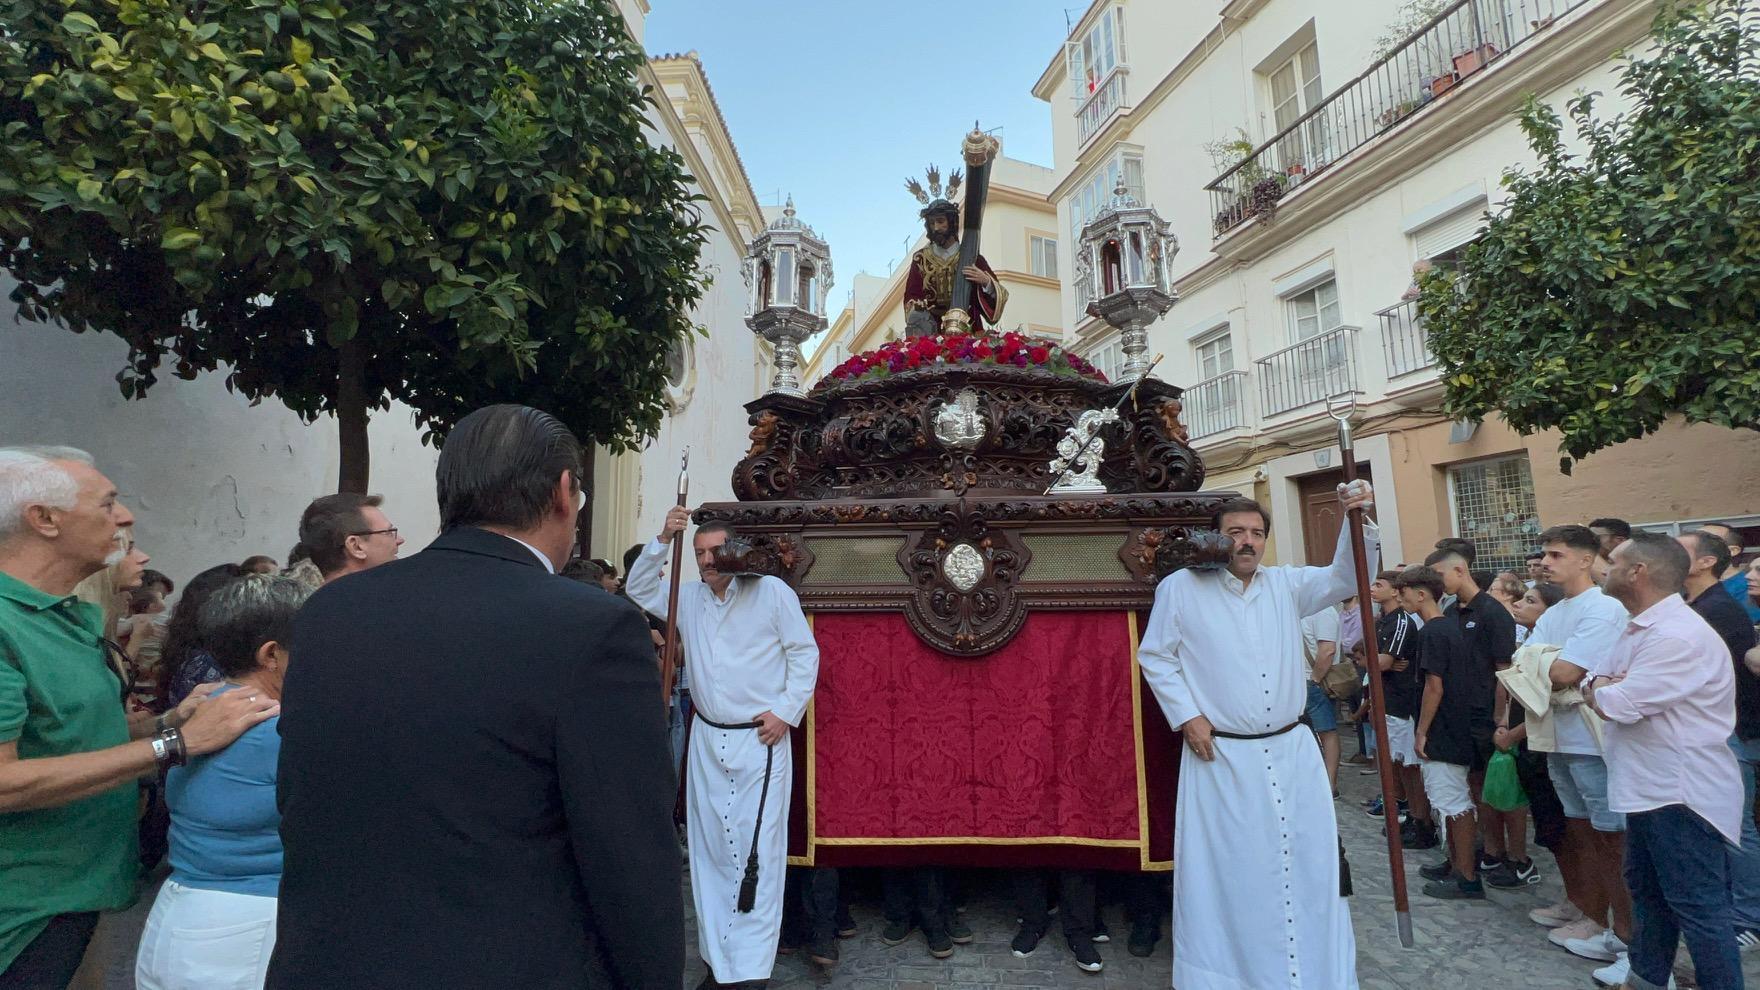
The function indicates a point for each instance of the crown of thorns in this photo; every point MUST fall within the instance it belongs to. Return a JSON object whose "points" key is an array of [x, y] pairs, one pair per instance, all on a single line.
{"points": [[933, 192]]}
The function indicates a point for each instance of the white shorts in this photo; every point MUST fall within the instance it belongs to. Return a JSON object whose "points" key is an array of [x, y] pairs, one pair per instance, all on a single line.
{"points": [[1445, 784], [212, 939], [1402, 744]]}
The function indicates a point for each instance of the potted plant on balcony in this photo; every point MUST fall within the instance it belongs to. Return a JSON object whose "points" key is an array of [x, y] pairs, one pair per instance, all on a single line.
{"points": [[1473, 59], [1262, 197], [1225, 156]]}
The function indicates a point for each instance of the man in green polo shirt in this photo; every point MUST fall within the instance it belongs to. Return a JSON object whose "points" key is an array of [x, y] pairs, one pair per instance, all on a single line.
{"points": [[67, 764]]}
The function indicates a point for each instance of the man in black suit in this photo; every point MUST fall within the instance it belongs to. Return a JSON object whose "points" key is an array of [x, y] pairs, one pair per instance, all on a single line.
{"points": [[475, 786]]}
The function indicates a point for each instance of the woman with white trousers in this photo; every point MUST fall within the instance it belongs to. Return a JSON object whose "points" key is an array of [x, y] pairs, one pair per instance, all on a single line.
{"points": [[213, 924]]}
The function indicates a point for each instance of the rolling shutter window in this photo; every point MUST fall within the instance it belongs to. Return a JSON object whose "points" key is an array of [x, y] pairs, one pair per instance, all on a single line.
{"points": [[1448, 233]]}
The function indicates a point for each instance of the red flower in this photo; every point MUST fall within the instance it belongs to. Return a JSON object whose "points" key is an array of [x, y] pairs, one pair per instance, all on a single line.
{"points": [[1039, 354]]}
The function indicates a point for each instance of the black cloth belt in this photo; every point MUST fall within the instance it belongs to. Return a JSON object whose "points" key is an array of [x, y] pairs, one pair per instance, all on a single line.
{"points": [[748, 884], [1254, 735]]}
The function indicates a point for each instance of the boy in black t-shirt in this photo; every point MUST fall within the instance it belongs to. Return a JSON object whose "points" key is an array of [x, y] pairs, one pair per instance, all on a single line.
{"points": [[1453, 733], [1396, 635], [1490, 633]]}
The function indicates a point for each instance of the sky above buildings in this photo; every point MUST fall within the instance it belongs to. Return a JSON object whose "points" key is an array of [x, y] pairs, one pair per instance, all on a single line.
{"points": [[837, 101]]}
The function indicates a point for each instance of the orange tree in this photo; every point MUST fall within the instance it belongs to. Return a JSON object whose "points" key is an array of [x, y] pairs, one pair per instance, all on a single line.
{"points": [[440, 202], [1622, 285]]}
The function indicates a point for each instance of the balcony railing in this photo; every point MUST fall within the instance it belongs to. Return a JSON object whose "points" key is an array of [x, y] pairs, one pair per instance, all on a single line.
{"points": [[1101, 104], [1309, 372], [1465, 38], [1404, 339], [1216, 404]]}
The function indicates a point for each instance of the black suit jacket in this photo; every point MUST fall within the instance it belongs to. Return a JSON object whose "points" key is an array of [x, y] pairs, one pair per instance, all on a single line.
{"points": [[475, 784]]}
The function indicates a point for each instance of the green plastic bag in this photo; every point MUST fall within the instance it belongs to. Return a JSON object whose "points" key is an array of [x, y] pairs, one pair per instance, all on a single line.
{"points": [[1503, 789]]}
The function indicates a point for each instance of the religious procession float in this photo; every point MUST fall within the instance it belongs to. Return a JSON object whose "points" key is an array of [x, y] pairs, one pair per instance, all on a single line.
{"points": [[974, 522]]}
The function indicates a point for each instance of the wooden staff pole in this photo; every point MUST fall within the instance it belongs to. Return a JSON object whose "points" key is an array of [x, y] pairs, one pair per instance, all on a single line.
{"points": [[669, 653], [1396, 859]]}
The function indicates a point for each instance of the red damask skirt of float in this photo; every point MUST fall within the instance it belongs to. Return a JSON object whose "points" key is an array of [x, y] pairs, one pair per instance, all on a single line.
{"points": [[979, 701]]}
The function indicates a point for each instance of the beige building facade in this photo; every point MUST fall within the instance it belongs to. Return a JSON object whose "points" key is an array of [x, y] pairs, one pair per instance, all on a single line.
{"points": [[1308, 153], [1020, 241]]}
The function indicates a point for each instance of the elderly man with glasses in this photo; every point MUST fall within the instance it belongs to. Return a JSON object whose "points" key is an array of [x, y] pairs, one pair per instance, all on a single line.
{"points": [[69, 757]]}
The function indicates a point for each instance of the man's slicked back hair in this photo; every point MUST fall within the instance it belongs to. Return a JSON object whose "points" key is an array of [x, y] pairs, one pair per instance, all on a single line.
{"points": [[499, 466]]}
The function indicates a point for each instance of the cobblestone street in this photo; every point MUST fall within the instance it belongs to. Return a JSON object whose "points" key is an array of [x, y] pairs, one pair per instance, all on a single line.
{"points": [[1459, 944]]}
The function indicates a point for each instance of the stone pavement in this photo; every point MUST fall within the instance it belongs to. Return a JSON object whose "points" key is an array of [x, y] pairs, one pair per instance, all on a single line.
{"points": [[1458, 944]]}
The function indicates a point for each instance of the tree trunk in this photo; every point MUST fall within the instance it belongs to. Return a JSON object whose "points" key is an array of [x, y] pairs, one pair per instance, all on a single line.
{"points": [[353, 455], [583, 523]]}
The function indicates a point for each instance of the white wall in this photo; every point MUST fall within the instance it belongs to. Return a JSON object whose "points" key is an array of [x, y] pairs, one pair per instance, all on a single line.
{"points": [[729, 371], [209, 478]]}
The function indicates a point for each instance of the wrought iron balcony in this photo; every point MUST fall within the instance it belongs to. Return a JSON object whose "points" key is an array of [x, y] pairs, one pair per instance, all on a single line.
{"points": [[1216, 404], [1308, 372], [1404, 339], [1467, 37], [1108, 98]]}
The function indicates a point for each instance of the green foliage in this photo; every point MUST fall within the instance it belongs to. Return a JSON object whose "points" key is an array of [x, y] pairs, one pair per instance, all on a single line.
{"points": [[1411, 16], [462, 188], [1621, 285]]}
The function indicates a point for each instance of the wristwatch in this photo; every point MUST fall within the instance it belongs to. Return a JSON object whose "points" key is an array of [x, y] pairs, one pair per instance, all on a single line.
{"points": [[168, 748]]}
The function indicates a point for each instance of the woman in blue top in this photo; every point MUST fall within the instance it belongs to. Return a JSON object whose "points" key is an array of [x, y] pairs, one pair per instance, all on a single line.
{"points": [[213, 924]]}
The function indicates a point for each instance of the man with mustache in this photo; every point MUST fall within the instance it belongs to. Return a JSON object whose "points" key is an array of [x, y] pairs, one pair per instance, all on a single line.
{"points": [[928, 292], [1256, 899]]}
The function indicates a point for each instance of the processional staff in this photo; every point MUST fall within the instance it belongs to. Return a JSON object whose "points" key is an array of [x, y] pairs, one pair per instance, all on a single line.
{"points": [[1341, 408], [669, 653]]}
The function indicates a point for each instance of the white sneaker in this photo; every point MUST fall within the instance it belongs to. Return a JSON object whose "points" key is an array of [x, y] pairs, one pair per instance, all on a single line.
{"points": [[1605, 947], [1557, 915], [1616, 974], [1581, 929]]}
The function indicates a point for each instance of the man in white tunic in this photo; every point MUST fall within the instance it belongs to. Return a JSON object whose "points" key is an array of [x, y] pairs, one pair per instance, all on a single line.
{"points": [[1256, 902], [753, 666]]}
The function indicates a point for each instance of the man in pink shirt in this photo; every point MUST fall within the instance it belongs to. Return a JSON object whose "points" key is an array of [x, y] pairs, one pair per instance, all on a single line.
{"points": [[1667, 692]]}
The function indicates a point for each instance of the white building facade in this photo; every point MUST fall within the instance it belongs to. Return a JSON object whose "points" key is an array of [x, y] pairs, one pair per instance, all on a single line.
{"points": [[1309, 153]]}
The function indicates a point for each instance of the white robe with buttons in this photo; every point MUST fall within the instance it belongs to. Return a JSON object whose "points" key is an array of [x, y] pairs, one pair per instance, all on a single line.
{"points": [[1255, 883], [749, 653]]}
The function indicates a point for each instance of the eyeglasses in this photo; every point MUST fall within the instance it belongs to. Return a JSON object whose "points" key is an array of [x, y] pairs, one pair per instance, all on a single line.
{"points": [[376, 532]]}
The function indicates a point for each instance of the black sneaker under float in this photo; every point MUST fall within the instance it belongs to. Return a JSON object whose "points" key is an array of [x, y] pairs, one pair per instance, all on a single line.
{"points": [[1143, 939], [1087, 957], [1436, 871], [823, 953], [895, 932], [959, 931], [940, 942], [1455, 888], [1512, 875], [1102, 934], [1025, 941], [846, 923], [1487, 862]]}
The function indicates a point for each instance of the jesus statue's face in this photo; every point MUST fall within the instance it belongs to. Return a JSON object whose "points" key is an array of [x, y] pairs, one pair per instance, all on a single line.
{"points": [[941, 231]]}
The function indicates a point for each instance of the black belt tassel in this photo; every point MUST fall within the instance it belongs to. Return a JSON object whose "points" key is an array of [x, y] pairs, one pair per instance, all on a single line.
{"points": [[748, 884]]}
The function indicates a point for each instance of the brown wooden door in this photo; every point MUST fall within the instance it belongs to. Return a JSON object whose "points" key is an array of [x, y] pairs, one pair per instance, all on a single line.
{"points": [[1321, 517]]}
